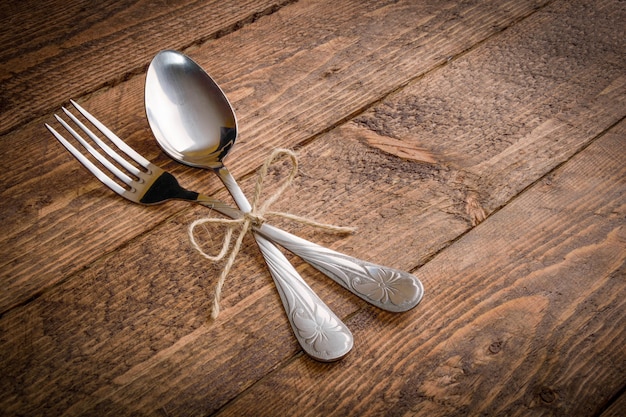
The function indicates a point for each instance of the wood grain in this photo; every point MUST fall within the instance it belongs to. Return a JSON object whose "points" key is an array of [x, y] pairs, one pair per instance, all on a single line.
{"points": [[56, 50], [509, 204], [616, 408], [343, 56], [513, 311]]}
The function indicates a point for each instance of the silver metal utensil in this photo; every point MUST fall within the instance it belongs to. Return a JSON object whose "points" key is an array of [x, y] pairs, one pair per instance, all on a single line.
{"points": [[195, 124], [319, 331]]}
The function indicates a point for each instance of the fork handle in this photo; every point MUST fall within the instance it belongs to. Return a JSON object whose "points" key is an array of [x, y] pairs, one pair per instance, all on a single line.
{"points": [[387, 288], [319, 331]]}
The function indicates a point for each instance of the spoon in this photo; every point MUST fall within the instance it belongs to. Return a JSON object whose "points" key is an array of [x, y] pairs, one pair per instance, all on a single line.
{"points": [[194, 124]]}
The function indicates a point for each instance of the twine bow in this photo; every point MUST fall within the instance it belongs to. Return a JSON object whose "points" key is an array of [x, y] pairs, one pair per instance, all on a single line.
{"points": [[255, 218]]}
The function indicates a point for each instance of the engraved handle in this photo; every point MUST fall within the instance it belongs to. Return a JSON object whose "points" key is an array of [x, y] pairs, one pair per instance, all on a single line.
{"points": [[387, 288], [319, 331]]}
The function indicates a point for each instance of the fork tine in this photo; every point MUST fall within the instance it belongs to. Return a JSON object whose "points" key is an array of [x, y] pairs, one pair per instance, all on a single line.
{"points": [[106, 148], [105, 179], [113, 137], [114, 170]]}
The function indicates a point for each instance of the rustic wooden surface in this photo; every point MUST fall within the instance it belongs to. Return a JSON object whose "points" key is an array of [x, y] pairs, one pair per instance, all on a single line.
{"points": [[479, 145]]}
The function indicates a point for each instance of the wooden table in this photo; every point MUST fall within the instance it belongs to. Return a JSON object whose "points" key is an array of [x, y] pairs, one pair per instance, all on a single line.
{"points": [[480, 145]]}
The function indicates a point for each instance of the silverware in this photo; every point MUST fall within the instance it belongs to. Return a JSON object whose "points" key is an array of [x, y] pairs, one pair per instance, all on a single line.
{"points": [[195, 124], [319, 331]]}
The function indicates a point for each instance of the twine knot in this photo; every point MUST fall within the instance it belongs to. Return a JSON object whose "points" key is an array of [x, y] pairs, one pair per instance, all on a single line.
{"points": [[253, 219]]}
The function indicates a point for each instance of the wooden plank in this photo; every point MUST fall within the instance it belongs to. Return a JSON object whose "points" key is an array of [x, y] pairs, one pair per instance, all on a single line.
{"points": [[498, 115], [133, 337], [523, 315], [344, 56], [126, 333], [617, 408], [118, 322], [56, 50]]}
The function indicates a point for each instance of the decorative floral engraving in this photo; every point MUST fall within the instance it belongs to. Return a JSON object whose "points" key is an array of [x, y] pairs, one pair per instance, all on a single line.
{"points": [[385, 285], [320, 330], [387, 288]]}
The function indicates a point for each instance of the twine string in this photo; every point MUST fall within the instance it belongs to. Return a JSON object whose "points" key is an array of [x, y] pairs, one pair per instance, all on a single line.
{"points": [[255, 218]]}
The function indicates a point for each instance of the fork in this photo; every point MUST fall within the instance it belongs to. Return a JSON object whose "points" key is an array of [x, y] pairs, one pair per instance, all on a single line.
{"points": [[387, 288], [321, 334]]}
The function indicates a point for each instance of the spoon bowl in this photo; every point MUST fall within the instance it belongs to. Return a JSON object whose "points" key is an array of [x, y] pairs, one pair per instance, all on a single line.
{"points": [[191, 118]]}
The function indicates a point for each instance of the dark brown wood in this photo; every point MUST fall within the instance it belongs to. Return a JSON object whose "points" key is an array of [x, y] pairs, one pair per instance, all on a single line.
{"points": [[85, 46], [479, 145], [616, 408]]}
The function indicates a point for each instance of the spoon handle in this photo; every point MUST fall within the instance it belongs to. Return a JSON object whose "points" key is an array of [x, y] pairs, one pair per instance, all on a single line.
{"points": [[319, 331], [322, 335], [387, 288]]}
